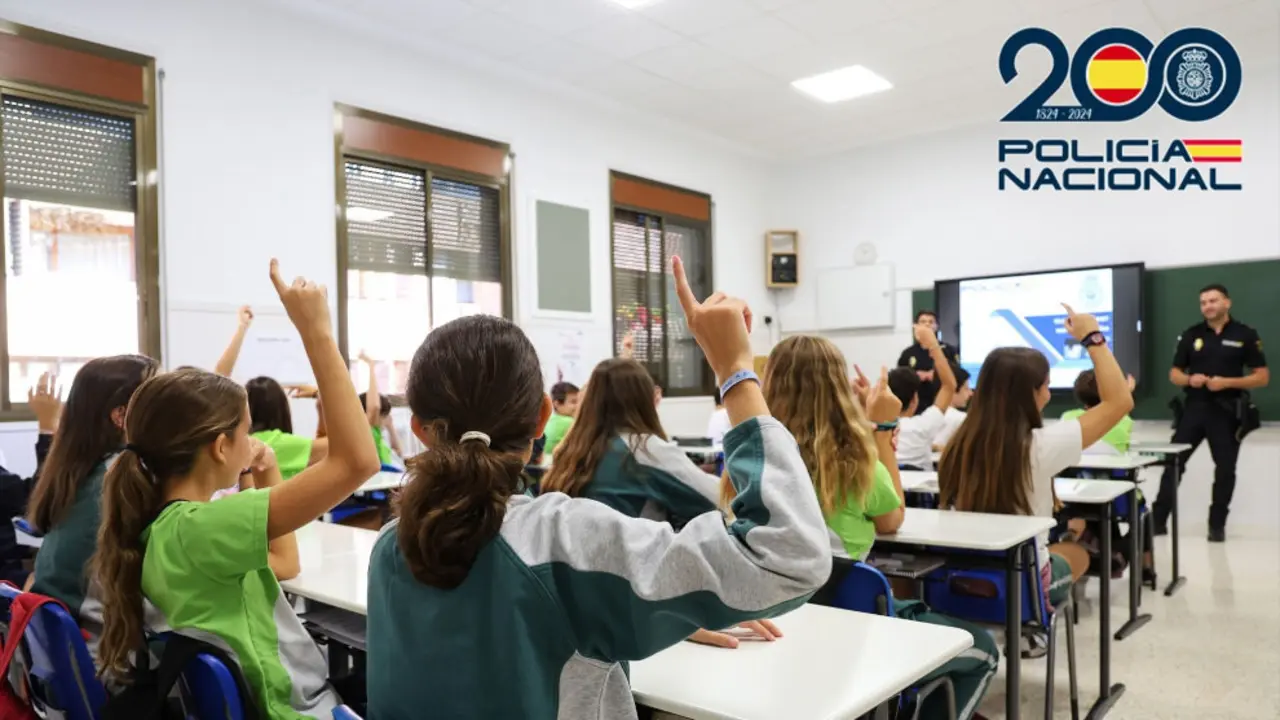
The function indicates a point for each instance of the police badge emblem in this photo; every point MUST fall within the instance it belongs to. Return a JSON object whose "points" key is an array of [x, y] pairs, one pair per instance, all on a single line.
{"points": [[1195, 77], [1199, 343]]}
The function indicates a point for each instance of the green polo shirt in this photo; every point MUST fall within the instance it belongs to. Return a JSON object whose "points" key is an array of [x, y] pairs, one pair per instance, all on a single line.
{"points": [[1117, 437], [853, 523], [293, 452], [557, 426]]}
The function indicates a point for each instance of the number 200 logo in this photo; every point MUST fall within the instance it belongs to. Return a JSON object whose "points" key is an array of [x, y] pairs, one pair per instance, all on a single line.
{"points": [[1117, 75]]}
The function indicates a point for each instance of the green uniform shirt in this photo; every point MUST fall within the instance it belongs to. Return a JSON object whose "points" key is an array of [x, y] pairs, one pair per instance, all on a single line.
{"points": [[63, 561], [570, 590], [853, 525], [1117, 437], [206, 571], [380, 440], [557, 426], [293, 452], [657, 481]]}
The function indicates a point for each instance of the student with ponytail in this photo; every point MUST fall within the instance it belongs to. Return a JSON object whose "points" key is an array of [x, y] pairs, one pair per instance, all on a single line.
{"points": [[210, 567], [527, 607], [66, 501]]}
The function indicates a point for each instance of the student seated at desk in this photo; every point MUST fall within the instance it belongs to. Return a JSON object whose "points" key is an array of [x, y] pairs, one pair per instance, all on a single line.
{"points": [[1117, 439], [1003, 459], [564, 406], [619, 455], [66, 504], [269, 408], [956, 413], [856, 481], [45, 401], [210, 567], [487, 604], [916, 433]]}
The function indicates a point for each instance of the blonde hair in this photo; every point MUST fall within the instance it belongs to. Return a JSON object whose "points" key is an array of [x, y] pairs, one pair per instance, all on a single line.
{"points": [[806, 385]]}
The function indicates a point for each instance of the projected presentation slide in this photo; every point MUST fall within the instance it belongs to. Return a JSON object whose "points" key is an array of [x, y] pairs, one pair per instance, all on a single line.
{"points": [[1026, 310]]}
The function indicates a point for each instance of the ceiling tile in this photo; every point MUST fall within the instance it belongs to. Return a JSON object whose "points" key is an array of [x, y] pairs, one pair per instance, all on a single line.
{"points": [[698, 17], [755, 37], [562, 59], [832, 18], [626, 36], [792, 63], [680, 60], [560, 17], [496, 36], [433, 16], [735, 78]]}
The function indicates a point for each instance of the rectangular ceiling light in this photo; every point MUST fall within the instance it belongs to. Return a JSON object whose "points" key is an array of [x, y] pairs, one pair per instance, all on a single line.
{"points": [[843, 84]]}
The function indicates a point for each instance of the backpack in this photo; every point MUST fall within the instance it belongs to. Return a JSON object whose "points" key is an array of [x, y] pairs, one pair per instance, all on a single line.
{"points": [[21, 610], [147, 697]]}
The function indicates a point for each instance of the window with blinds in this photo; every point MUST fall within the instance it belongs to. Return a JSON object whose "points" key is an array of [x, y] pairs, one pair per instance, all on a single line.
{"points": [[645, 304]]}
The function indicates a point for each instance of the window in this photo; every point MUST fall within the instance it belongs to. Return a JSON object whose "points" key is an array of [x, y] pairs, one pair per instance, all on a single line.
{"points": [[423, 237], [652, 223], [80, 256]]}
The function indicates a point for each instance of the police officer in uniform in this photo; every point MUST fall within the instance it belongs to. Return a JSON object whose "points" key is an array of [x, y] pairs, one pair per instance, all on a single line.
{"points": [[1216, 362], [917, 358]]}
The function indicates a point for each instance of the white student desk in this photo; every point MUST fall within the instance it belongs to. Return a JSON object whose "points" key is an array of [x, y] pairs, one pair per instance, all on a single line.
{"points": [[384, 480], [830, 664], [1010, 534], [1099, 494], [919, 481], [1129, 464], [1167, 456]]}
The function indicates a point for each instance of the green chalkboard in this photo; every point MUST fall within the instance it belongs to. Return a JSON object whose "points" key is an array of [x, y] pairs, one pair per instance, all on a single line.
{"points": [[1170, 305]]}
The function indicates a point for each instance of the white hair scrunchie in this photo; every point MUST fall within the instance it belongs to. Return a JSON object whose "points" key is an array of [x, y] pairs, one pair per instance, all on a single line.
{"points": [[474, 435]]}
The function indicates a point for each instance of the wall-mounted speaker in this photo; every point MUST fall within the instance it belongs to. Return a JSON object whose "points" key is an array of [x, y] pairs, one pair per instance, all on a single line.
{"points": [[782, 258]]}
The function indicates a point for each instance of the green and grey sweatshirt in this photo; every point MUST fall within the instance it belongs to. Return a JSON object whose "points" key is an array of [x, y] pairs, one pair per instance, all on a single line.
{"points": [[655, 481], [571, 589]]}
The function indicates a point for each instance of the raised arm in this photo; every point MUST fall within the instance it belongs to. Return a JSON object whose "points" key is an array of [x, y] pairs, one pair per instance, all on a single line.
{"points": [[941, 365], [227, 362], [883, 407], [264, 473], [372, 400], [1113, 388], [351, 458]]}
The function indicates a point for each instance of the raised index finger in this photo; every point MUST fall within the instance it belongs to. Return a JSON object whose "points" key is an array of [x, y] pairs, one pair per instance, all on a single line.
{"points": [[1069, 309], [275, 277], [683, 291]]}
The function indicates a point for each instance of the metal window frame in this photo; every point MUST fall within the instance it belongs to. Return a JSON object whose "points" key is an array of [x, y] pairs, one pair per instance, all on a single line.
{"points": [[146, 198], [429, 170]]}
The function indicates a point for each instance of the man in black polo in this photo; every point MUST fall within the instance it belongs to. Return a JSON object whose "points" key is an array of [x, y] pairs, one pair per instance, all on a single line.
{"points": [[917, 358], [1216, 362]]}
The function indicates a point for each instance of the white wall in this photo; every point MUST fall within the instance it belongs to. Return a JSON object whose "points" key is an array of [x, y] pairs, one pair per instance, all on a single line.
{"points": [[248, 148], [931, 206]]}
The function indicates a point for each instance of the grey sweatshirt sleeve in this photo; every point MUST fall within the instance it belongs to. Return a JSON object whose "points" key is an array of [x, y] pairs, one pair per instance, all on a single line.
{"points": [[630, 587]]}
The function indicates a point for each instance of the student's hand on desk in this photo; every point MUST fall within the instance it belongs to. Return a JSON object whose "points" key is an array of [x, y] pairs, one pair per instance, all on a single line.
{"points": [[754, 630], [45, 400], [882, 405], [720, 324], [306, 302], [246, 316], [1080, 325]]}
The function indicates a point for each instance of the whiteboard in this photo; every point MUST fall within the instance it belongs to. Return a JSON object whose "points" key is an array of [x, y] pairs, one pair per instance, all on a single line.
{"points": [[855, 298], [198, 334]]}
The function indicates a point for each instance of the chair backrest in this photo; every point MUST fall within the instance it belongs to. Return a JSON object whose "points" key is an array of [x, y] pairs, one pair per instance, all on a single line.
{"points": [[941, 594], [342, 712], [211, 690], [60, 670], [855, 585]]}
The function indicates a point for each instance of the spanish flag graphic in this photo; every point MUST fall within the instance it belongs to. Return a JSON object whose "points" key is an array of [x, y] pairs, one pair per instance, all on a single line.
{"points": [[1214, 150], [1117, 74]]}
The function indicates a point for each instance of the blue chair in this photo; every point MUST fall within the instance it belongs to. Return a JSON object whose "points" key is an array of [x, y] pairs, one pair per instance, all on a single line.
{"points": [[392, 469], [862, 588], [60, 674], [941, 595], [210, 690], [342, 712]]}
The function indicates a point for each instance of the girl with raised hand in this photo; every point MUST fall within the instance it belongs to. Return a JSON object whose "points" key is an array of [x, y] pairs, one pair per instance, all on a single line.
{"points": [[527, 607], [66, 504], [1003, 458], [210, 567]]}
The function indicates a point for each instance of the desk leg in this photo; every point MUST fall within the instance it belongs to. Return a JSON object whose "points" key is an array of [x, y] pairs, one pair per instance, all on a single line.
{"points": [[1135, 569], [1013, 633], [1109, 693], [1178, 580]]}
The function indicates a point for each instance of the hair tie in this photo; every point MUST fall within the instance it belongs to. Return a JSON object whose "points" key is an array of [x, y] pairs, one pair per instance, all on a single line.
{"points": [[142, 460], [475, 435]]}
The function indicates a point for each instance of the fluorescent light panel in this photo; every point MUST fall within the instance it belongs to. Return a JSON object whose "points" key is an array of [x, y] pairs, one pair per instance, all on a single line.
{"points": [[843, 84]]}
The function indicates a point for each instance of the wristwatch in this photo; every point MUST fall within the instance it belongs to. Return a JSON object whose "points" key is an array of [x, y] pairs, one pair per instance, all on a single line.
{"points": [[1094, 338]]}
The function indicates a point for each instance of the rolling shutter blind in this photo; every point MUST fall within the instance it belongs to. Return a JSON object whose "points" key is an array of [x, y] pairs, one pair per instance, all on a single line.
{"points": [[386, 219], [64, 155], [638, 286], [685, 362], [466, 233]]}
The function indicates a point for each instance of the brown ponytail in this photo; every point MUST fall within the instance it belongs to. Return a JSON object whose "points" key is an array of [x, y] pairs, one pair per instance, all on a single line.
{"points": [[476, 374], [170, 419]]}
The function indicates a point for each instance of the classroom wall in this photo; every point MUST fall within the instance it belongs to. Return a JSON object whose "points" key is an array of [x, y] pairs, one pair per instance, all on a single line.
{"points": [[931, 207], [247, 147]]}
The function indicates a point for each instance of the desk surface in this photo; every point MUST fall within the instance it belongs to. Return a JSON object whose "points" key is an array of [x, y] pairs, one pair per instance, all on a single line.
{"points": [[1089, 492], [383, 481], [966, 530], [829, 665], [335, 565], [1160, 448], [919, 480], [1131, 461]]}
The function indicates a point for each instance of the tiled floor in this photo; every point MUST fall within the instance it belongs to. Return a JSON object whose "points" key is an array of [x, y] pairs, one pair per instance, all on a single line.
{"points": [[1212, 650]]}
